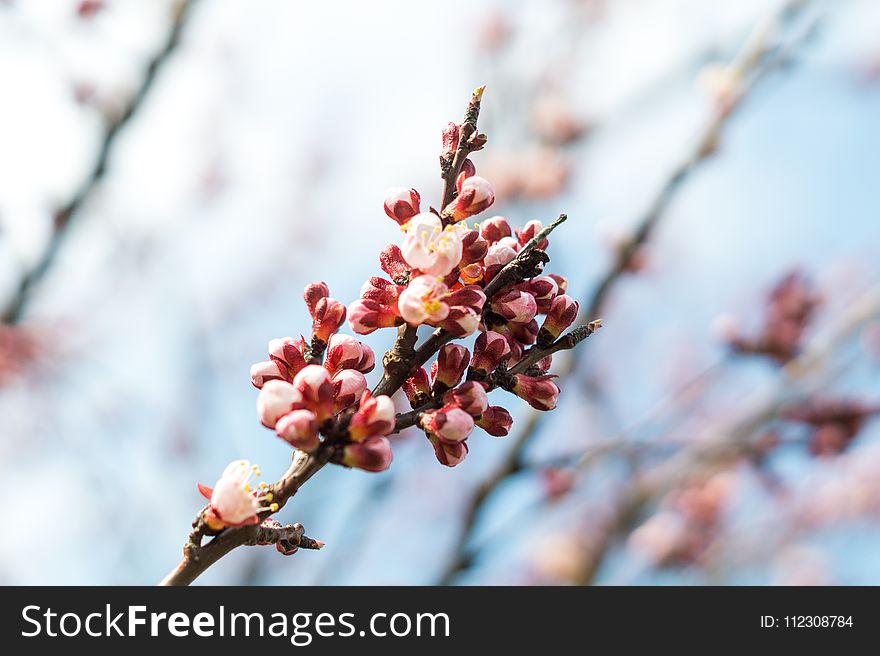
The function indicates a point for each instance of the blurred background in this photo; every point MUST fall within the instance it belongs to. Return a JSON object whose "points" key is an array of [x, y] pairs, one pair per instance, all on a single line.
{"points": [[173, 173]]}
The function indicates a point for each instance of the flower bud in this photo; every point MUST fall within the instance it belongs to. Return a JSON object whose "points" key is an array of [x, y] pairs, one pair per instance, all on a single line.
{"points": [[328, 317], [545, 363], [287, 353], [476, 195], [563, 311], [461, 321], [348, 386], [423, 301], [543, 288], [524, 333], [401, 204], [262, 372], [365, 316], [345, 352], [490, 350], [313, 293], [316, 389], [372, 455], [449, 139], [449, 367], [470, 397], [470, 296], [276, 398], [495, 229], [299, 428], [375, 416], [496, 257], [562, 281], [449, 453], [516, 305], [382, 291], [540, 392], [473, 247], [449, 423], [392, 262], [496, 421], [417, 388], [468, 170], [527, 233]]}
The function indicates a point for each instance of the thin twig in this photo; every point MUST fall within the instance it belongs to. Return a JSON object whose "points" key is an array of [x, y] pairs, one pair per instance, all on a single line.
{"points": [[64, 216]]}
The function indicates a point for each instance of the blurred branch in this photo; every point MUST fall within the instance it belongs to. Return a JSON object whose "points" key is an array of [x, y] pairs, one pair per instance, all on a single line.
{"points": [[730, 441], [64, 216], [755, 60]]}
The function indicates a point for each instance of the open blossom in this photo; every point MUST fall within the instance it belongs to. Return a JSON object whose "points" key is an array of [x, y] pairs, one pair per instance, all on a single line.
{"points": [[276, 399], [300, 429], [345, 352], [470, 397], [449, 423], [562, 313], [375, 416], [401, 204], [373, 454], [232, 500], [517, 306], [496, 421], [540, 392], [449, 367], [366, 316], [316, 390], [449, 453], [430, 247], [422, 301], [329, 315], [475, 195], [490, 350], [348, 387]]}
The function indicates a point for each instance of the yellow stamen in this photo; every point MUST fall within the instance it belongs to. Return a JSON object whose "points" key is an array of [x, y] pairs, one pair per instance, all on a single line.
{"points": [[274, 507]]}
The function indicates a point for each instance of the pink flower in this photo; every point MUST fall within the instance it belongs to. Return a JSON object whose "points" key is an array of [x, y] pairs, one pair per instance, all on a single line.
{"points": [[373, 454], [313, 293], [299, 428], [449, 366], [276, 398], [316, 390], [449, 453], [461, 321], [497, 256], [345, 352], [417, 388], [348, 386], [563, 311], [366, 316], [401, 204], [528, 231], [524, 333], [490, 350], [287, 353], [540, 392], [328, 317], [561, 281], [422, 301], [232, 501], [374, 417], [495, 229], [392, 262], [470, 397], [543, 288], [516, 305], [468, 296], [473, 247], [429, 247], [261, 372], [449, 423], [496, 421], [475, 195]]}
